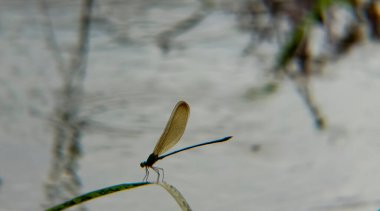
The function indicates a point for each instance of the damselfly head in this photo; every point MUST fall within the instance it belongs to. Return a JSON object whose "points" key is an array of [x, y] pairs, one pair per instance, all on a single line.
{"points": [[150, 161]]}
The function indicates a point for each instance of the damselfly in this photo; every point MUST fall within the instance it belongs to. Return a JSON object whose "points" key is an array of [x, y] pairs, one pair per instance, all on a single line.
{"points": [[172, 133]]}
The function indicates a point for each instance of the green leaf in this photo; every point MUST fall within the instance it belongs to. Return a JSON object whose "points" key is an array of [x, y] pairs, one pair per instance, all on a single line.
{"points": [[121, 187], [97, 193], [176, 195]]}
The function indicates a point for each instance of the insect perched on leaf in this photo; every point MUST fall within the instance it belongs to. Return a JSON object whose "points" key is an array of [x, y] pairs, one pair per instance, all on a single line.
{"points": [[172, 133]]}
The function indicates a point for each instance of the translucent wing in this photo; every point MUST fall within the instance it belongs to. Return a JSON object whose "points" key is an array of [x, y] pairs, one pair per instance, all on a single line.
{"points": [[174, 128]]}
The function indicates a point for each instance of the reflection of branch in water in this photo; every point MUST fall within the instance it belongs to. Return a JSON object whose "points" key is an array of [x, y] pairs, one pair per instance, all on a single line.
{"points": [[301, 53], [372, 11], [165, 38], [50, 37], [351, 203], [63, 182], [302, 80], [353, 36], [303, 87], [296, 49]]}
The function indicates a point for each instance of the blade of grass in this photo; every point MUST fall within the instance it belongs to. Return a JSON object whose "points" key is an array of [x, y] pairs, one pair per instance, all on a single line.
{"points": [[95, 194], [121, 187], [176, 195]]}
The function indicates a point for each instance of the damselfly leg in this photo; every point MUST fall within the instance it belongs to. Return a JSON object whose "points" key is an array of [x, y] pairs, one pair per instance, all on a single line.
{"points": [[145, 179], [157, 170]]}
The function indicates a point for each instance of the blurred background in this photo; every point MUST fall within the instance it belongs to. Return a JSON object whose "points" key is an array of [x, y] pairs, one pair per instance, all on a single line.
{"points": [[87, 86]]}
